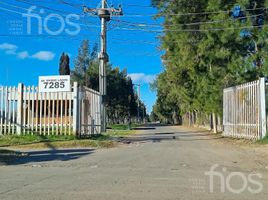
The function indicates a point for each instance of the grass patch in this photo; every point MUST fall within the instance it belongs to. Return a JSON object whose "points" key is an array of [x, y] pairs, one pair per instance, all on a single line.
{"points": [[70, 144], [37, 141], [123, 126], [263, 141], [119, 133], [105, 140], [13, 140]]}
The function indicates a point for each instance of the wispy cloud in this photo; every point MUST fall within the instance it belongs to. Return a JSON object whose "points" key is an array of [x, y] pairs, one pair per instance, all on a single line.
{"points": [[23, 55], [44, 55], [11, 49], [142, 78]]}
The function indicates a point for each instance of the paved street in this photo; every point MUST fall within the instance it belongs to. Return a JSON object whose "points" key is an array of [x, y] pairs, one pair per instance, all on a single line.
{"points": [[159, 163]]}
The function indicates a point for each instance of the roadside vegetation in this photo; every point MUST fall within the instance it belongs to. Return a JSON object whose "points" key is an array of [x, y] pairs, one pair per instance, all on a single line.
{"points": [[123, 126], [105, 140], [201, 59], [38, 141], [263, 141], [122, 99]]}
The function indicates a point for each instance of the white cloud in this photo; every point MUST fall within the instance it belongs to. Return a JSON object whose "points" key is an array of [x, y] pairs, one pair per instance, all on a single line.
{"points": [[44, 55], [7, 46], [23, 55], [142, 78], [11, 49]]}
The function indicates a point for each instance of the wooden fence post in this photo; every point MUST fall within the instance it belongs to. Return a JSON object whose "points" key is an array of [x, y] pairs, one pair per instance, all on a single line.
{"points": [[262, 109], [75, 108], [20, 108]]}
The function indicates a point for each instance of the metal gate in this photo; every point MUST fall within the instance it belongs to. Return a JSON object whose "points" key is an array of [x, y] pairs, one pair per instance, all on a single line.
{"points": [[244, 110]]}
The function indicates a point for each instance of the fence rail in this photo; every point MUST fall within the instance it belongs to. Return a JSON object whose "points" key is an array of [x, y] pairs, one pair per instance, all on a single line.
{"points": [[25, 110], [244, 110]]}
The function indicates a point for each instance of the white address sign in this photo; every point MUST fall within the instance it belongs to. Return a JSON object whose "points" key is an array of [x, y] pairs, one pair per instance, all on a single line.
{"points": [[54, 84]]}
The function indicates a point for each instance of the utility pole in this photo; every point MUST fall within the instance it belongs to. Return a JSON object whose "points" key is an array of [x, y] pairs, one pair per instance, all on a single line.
{"points": [[139, 97], [105, 13]]}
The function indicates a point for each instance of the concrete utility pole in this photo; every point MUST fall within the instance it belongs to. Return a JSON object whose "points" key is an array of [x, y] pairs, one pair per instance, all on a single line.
{"points": [[105, 14], [139, 97]]}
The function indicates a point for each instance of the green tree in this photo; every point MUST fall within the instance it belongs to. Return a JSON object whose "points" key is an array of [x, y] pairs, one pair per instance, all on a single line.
{"points": [[64, 66], [121, 100], [204, 53], [82, 64]]}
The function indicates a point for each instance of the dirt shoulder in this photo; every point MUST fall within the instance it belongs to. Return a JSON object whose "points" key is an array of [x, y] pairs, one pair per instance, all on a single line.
{"points": [[218, 139]]}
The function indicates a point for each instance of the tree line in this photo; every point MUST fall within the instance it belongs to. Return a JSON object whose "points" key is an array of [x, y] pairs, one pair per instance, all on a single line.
{"points": [[209, 45], [122, 100]]}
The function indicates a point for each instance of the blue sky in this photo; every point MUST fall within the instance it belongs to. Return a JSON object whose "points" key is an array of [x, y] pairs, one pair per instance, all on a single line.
{"points": [[26, 56]]}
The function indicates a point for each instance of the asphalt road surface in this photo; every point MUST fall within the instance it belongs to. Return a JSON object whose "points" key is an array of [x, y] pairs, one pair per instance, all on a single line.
{"points": [[159, 163]]}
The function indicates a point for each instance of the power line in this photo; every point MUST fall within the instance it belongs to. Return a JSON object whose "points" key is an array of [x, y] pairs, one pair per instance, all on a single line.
{"points": [[136, 5], [23, 8], [185, 24], [141, 15], [44, 7], [191, 13], [76, 6], [71, 4], [51, 19], [121, 40], [145, 26], [150, 30], [136, 15], [189, 30]]}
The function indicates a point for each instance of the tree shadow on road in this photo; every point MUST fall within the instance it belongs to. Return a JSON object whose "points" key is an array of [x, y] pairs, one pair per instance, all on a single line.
{"points": [[144, 128], [170, 136], [34, 157]]}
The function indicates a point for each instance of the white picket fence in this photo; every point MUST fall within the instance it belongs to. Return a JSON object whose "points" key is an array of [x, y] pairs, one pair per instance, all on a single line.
{"points": [[244, 111], [25, 110]]}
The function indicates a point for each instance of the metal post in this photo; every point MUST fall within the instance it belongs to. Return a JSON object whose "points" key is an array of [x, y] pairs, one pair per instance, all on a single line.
{"points": [[20, 108], [75, 108], [138, 101], [262, 109], [139, 98]]}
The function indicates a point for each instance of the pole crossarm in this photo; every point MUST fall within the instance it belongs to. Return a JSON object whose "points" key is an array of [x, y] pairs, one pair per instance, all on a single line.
{"points": [[104, 12]]}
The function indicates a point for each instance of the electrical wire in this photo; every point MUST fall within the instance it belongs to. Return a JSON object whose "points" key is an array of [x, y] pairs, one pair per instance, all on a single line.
{"points": [[190, 13], [184, 24], [51, 19], [189, 30], [156, 31], [151, 15]]}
